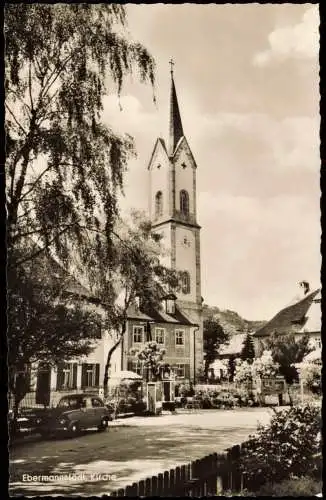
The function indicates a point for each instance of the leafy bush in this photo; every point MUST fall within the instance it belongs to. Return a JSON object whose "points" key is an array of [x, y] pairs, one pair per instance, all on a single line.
{"points": [[304, 486], [294, 487], [311, 375], [288, 446]]}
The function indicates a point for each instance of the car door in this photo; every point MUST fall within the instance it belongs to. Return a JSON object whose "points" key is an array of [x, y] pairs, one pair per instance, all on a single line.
{"points": [[99, 409], [85, 413]]}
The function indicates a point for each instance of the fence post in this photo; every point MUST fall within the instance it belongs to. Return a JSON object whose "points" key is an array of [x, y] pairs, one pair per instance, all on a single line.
{"points": [[160, 489], [178, 482], [235, 469], [166, 482], [148, 487], [135, 489], [225, 472], [154, 491], [141, 488], [172, 482], [211, 481]]}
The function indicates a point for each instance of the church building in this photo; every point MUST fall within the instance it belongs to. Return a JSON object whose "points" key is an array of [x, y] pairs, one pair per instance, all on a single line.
{"points": [[172, 173]]}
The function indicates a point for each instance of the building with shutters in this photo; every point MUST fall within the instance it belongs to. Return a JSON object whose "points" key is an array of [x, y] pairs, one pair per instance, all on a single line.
{"points": [[48, 384]]}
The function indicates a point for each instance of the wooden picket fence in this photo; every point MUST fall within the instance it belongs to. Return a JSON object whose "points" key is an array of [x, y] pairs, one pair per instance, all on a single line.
{"points": [[209, 476]]}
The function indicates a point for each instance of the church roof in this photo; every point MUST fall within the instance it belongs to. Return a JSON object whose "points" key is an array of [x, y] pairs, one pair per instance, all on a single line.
{"points": [[178, 318], [290, 319], [176, 129]]}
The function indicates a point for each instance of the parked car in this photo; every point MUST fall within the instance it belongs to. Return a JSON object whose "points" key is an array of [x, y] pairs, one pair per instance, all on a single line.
{"points": [[74, 413], [27, 421]]}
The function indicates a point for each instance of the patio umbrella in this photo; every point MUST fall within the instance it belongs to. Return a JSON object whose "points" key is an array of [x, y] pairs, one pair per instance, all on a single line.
{"points": [[126, 375]]}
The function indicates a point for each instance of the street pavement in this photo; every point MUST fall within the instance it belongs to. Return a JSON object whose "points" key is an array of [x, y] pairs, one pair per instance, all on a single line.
{"points": [[130, 450]]}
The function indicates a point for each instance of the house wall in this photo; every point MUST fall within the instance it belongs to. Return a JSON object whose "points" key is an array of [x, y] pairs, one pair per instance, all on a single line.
{"points": [[96, 357], [174, 354], [314, 342]]}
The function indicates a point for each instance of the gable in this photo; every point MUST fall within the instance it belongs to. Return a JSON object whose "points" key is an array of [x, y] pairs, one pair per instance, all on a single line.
{"points": [[159, 154], [183, 153]]}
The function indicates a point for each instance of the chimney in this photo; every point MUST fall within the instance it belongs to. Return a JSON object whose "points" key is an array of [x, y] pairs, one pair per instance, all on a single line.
{"points": [[305, 286]]}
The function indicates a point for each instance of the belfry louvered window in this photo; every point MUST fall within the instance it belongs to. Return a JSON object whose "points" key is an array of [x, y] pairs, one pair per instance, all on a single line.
{"points": [[184, 202], [159, 204], [185, 282]]}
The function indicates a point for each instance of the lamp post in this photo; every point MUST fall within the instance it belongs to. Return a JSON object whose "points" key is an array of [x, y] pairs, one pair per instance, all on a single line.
{"points": [[194, 349]]}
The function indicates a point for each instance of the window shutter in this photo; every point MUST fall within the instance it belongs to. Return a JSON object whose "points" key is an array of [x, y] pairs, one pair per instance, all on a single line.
{"points": [[60, 376], [187, 371], [28, 378], [97, 374], [84, 375], [74, 376]]}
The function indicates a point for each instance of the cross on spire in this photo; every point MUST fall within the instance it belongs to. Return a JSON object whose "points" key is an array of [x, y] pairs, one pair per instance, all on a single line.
{"points": [[171, 62]]}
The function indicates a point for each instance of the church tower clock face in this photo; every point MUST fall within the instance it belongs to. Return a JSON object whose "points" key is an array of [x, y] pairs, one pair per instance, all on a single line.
{"points": [[185, 242]]}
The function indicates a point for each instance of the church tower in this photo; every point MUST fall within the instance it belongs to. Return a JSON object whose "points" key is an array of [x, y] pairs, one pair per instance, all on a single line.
{"points": [[173, 212]]}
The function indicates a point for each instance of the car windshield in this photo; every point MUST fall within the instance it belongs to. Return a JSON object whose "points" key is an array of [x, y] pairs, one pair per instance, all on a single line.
{"points": [[71, 403]]}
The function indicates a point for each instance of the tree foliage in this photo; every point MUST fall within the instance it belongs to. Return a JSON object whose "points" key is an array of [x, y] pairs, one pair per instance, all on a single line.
{"points": [[214, 337], [287, 351], [151, 356], [310, 373], [45, 322], [64, 165], [248, 349]]}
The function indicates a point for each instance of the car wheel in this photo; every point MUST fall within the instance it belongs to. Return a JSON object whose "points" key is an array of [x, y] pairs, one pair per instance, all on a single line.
{"points": [[74, 429], [103, 425]]}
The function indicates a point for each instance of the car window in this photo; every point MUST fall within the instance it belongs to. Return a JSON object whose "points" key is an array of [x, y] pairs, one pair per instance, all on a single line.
{"points": [[71, 403], [96, 402], [63, 403], [83, 403]]}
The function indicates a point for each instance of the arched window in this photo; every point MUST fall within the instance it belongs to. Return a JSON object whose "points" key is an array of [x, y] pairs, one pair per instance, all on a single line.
{"points": [[185, 282], [184, 202], [159, 204]]}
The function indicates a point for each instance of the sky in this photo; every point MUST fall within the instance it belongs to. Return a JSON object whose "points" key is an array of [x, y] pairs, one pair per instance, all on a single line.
{"points": [[248, 89]]}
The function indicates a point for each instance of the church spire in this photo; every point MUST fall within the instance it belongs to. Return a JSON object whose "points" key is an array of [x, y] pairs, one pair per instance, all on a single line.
{"points": [[176, 130]]}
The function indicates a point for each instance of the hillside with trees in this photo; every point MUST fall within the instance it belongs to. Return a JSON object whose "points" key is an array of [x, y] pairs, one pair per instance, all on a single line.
{"points": [[231, 322]]}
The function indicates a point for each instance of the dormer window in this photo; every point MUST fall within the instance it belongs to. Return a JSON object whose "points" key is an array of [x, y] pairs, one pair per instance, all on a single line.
{"points": [[170, 305]]}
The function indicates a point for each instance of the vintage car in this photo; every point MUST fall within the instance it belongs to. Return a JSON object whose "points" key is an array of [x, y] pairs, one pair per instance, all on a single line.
{"points": [[27, 421], [74, 413]]}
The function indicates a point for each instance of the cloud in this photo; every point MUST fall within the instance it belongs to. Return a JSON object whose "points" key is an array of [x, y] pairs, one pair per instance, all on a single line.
{"points": [[247, 242], [298, 41]]}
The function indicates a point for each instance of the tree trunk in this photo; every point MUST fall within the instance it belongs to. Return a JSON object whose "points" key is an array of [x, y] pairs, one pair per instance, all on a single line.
{"points": [[206, 366], [108, 361]]}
